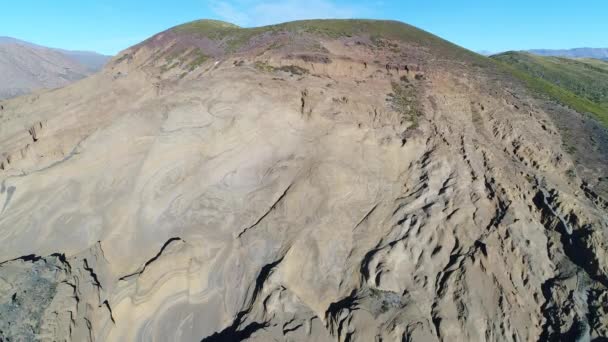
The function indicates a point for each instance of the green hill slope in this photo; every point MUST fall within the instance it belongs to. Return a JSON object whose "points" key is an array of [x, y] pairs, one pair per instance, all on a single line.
{"points": [[220, 38], [579, 83]]}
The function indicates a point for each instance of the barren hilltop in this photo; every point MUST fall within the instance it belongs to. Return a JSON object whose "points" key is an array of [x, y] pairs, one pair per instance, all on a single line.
{"points": [[325, 180]]}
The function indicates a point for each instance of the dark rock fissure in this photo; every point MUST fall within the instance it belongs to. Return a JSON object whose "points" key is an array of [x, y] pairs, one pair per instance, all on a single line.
{"points": [[233, 334], [274, 205], [153, 259]]}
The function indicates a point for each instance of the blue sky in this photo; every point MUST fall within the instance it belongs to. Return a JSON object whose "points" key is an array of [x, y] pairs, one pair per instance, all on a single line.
{"points": [[109, 26]]}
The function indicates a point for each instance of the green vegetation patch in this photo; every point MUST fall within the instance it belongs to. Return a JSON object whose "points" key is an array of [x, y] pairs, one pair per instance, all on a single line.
{"points": [[404, 100], [579, 84], [198, 60], [169, 66], [190, 60], [234, 37], [263, 66], [292, 69], [126, 56]]}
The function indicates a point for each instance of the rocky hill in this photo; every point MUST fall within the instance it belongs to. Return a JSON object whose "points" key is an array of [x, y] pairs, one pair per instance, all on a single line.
{"points": [[26, 67], [334, 180], [581, 84]]}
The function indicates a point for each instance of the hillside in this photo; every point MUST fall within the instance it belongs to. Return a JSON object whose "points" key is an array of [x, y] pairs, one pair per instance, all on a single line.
{"points": [[578, 84], [587, 79], [26, 67], [326, 180], [91, 60]]}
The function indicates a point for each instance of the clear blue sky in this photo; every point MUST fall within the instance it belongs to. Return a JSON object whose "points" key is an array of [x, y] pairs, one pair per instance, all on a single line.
{"points": [[109, 26]]}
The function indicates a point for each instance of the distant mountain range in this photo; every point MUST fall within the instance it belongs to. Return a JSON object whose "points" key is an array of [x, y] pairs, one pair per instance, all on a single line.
{"points": [[26, 67], [597, 53]]}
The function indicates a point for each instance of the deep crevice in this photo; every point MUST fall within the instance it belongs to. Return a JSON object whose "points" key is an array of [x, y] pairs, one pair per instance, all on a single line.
{"points": [[233, 334], [264, 274], [26, 258], [153, 259], [107, 305], [92, 273], [274, 205]]}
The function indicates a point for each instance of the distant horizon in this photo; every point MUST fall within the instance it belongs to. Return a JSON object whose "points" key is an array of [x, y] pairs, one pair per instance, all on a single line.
{"points": [[113, 26], [489, 53], [482, 52], [18, 40]]}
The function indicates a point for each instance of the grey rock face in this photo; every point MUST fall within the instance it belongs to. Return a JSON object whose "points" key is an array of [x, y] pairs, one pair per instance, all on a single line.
{"points": [[25, 296]]}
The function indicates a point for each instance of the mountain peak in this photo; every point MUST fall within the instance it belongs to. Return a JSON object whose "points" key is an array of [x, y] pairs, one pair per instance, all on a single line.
{"points": [[583, 52], [212, 39], [207, 24], [334, 28]]}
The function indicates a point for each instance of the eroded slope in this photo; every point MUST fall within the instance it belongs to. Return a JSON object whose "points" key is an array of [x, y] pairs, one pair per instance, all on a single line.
{"points": [[299, 185]]}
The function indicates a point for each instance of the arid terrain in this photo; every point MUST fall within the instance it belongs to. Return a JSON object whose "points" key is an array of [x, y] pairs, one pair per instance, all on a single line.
{"points": [[335, 180]]}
